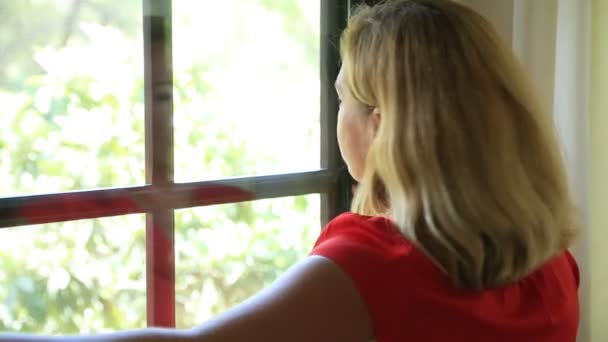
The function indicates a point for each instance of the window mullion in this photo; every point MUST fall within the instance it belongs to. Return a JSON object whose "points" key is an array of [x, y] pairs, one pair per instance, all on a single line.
{"points": [[338, 196], [160, 243]]}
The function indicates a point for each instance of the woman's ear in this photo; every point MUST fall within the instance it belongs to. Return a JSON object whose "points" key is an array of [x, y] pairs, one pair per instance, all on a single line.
{"points": [[375, 118]]}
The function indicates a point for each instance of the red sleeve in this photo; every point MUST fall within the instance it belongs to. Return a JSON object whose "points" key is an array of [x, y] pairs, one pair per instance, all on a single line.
{"points": [[364, 250]]}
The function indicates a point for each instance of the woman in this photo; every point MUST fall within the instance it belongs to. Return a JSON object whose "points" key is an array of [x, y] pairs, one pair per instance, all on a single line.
{"points": [[467, 212]]}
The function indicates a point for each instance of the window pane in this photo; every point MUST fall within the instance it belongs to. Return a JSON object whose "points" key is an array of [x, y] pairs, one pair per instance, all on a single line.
{"points": [[71, 88], [226, 253], [247, 89], [73, 277]]}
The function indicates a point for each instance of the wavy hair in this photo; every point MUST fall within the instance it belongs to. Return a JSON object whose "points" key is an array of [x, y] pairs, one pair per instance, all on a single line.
{"points": [[464, 155]]}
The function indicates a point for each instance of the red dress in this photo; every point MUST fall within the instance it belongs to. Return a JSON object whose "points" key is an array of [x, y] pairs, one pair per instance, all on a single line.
{"points": [[410, 299]]}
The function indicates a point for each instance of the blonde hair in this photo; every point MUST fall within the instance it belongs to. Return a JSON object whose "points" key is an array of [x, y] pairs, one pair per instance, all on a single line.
{"points": [[464, 156]]}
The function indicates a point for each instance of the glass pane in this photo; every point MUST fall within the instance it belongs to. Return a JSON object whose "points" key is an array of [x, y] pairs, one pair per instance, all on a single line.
{"points": [[71, 88], [247, 88], [73, 277], [226, 253]]}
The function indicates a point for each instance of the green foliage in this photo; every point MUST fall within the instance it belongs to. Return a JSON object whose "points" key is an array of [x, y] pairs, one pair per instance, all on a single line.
{"points": [[71, 89]]}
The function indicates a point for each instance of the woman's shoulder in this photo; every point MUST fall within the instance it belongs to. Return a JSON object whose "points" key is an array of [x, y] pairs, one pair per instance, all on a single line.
{"points": [[370, 248], [374, 234], [379, 260]]}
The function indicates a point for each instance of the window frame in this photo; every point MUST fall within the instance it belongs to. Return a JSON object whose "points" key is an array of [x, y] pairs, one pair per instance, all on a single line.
{"points": [[161, 196]]}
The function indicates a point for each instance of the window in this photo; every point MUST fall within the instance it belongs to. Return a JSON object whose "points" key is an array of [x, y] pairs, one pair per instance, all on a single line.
{"points": [[160, 161]]}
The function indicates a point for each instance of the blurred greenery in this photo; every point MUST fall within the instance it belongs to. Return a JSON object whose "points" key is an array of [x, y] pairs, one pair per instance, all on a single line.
{"points": [[71, 88]]}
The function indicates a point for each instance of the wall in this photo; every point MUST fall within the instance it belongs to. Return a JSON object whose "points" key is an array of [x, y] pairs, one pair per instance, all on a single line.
{"points": [[599, 173]]}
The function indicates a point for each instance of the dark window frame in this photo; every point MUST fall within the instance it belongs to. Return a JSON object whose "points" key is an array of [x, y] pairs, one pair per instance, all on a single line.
{"points": [[161, 196]]}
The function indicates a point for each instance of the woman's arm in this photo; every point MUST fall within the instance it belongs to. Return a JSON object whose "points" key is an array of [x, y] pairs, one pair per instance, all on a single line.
{"points": [[313, 301], [143, 335]]}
